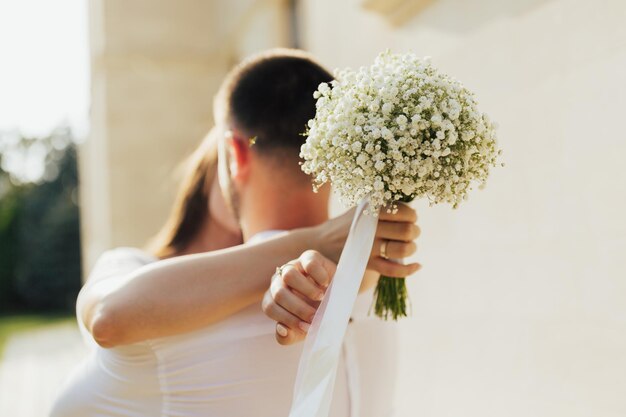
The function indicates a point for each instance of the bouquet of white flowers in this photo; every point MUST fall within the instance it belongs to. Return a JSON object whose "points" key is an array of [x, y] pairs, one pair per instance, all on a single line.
{"points": [[395, 131]]}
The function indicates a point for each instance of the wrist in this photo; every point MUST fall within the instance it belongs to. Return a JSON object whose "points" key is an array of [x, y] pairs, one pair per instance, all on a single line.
{"points": [[327, 240], [310, 238]]}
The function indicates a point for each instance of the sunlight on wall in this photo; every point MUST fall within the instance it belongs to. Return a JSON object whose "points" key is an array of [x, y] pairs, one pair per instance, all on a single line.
{"points": [[520, 308]]}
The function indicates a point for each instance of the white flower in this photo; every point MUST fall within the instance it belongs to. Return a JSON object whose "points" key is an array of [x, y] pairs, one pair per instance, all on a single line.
{"points": [[362, 159], [360, 143]]}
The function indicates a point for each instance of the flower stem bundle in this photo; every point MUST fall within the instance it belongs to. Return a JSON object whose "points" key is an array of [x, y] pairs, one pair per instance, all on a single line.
{"points": [[391, 298]]}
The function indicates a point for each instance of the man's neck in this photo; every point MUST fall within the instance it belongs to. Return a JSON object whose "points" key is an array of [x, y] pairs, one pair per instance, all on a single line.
{"points": [[211, 236], [282, 211]]}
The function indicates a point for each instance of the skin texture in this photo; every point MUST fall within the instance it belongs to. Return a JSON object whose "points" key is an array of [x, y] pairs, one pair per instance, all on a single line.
{"points": [[298, 288], [215, 277], [266, 195], [188, 292]]}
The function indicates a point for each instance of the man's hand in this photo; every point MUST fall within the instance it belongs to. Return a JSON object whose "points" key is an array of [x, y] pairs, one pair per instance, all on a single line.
{"points": [[295, 293]]}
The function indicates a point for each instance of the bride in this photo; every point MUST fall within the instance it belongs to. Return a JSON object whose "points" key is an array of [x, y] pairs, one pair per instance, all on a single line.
{"points": [[171, 326]]}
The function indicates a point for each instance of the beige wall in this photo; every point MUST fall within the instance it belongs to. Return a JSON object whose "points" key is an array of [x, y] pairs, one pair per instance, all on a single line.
{"points": [[155, 68], [520, 309]]}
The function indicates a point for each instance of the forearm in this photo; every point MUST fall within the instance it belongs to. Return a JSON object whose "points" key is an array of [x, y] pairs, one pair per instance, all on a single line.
{"points": [[186, 293]]}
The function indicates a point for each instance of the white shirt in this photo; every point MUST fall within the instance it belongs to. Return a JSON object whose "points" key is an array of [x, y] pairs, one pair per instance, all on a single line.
{"points": [[234, 368]]}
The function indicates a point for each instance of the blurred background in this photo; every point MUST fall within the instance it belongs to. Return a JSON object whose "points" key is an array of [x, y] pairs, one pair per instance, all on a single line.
{"points": [[520, 309]]}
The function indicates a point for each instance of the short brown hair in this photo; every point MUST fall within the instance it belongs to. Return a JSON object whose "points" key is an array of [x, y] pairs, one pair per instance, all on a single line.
{"points": [[269, 96]]}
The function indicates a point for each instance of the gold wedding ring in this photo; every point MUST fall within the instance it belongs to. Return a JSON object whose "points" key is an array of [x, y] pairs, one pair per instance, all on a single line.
{"points": [[383, 249]]}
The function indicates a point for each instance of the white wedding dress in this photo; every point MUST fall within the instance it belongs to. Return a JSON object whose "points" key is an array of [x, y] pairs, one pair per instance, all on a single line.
{"points": [[234, 368]]}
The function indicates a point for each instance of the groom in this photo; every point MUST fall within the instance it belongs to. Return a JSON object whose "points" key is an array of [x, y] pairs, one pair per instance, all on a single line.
{"points": [[264, 105]]}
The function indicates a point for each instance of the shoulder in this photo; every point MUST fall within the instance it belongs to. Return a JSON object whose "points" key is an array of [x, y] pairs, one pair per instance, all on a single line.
{"points": [[126, 254], [120, 260]]}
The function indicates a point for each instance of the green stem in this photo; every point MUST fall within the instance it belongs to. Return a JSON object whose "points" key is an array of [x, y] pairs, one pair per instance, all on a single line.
{"points": [[391, 298]]}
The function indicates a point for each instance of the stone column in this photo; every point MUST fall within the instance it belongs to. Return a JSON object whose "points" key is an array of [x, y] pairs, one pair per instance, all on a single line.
{"points": [[155, 67]]}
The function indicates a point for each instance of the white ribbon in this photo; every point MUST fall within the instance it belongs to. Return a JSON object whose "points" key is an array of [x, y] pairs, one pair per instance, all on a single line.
{"points": [[313, 390]]}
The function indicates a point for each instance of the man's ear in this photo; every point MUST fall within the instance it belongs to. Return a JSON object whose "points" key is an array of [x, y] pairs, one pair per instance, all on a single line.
{"points": [[239, 161]]}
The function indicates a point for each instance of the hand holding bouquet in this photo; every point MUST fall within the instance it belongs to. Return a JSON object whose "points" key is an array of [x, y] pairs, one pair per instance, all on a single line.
{"points": [[395, 131]]}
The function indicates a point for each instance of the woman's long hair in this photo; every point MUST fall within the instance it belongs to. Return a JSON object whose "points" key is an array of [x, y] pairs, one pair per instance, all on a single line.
{"points": [[191, 207]]}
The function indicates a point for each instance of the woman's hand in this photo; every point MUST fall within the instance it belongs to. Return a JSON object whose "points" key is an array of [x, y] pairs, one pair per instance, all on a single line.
{"points": [[295, 293], [396, 234], [298, 286], [398, 230]]}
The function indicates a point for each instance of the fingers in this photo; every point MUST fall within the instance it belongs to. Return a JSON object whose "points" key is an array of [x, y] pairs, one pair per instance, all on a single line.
{"points": [[285, 336], [399, 231], [392, 269], [394, 249], [294, 295], [318, 267], [404, 213], [289, 328], [400, 225], [302, 284], [393, 230], [305, 285], [295, 305]]}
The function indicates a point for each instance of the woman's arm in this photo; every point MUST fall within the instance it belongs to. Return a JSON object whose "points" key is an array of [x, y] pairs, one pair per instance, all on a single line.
{"points": [[184, 293], [187, 293]]}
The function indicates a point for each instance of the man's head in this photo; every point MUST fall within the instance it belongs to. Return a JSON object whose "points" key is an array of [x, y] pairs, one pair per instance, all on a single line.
{"points": [[264, 105]]}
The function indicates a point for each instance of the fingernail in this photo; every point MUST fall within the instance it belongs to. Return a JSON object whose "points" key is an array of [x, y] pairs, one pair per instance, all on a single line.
{"points": [[319, 296], [281, 330], [304, 326]]}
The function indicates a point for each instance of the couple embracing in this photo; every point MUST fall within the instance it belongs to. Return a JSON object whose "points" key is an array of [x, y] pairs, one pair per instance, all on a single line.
{"points": [[208, 321]]}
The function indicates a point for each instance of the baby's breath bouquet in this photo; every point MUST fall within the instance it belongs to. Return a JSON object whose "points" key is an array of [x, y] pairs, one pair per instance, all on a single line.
{"points": [[395, 131]]}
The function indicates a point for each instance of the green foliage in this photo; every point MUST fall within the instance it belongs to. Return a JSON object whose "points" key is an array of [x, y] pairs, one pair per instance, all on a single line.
{"points": [[39, 226], [9, 210], [391, 298]]}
